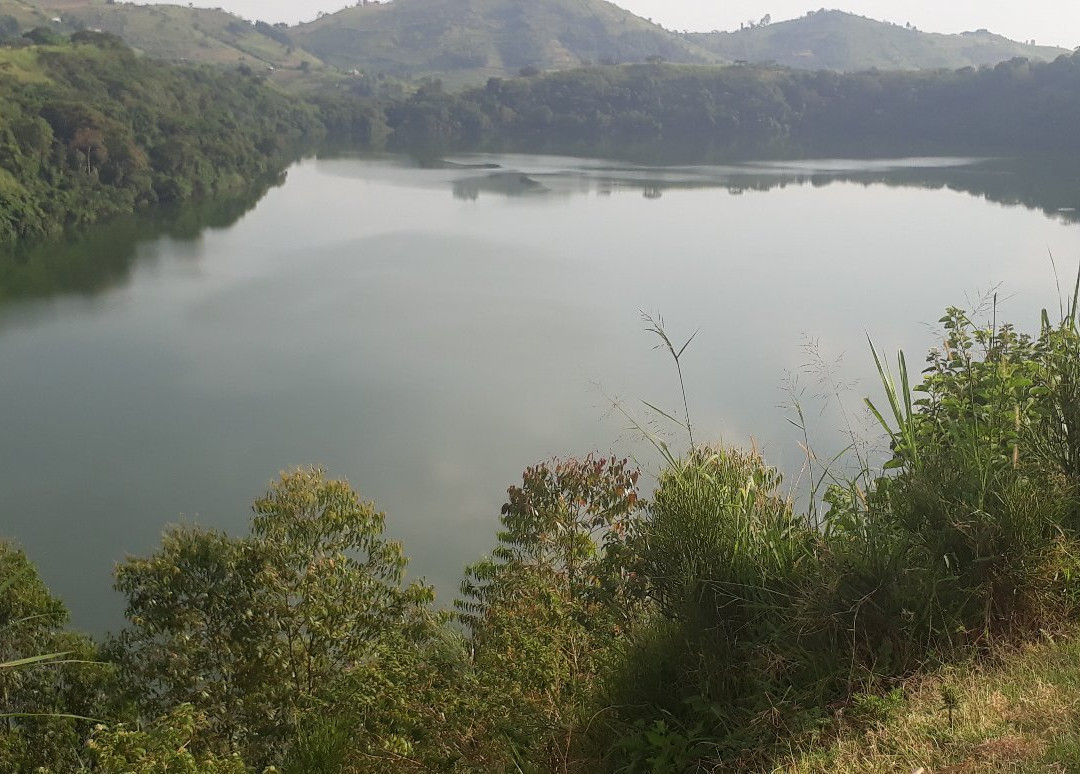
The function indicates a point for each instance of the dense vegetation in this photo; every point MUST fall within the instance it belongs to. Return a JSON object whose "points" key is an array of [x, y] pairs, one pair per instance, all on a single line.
{"points": [[89, 130], [714, 623], [690, 113]]}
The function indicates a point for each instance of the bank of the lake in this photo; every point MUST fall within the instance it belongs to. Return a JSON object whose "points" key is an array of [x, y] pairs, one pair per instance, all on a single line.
{"points": [[90, 131]]}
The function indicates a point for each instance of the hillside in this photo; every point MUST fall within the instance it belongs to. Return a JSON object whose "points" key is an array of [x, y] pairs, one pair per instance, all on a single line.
{"points": [[464, 42], [834, 40], [89, 130], [473, 39], [170, 32]]}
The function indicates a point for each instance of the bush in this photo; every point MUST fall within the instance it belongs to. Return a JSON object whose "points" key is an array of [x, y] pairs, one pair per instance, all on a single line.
{"points": [[50, 680], [762, 621], [163, 748], [547, 610], [725, 558], [255, 632]]}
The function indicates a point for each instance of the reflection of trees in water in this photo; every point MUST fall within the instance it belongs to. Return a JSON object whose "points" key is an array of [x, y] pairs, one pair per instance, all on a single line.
{"points": [[102, 256], [466, 190], [505, 183], [1048, 184], [1051, 185]]}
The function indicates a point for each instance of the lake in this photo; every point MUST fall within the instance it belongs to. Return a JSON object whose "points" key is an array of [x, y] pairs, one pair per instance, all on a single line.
{"points": [[430, 331]]}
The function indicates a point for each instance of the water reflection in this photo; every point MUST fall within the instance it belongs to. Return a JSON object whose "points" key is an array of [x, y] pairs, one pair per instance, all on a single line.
{"points": [[102, 257], [1048, 184], [504, 183]]}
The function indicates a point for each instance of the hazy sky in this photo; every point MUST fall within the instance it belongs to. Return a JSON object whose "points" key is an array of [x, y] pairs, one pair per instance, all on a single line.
{"points": [[1053, 22]]}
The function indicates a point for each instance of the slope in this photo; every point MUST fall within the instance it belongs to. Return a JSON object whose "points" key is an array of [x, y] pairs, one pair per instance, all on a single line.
{"points": [[89, 130], [834, 40], [1014, 712], [170, 32], [473, 39]]}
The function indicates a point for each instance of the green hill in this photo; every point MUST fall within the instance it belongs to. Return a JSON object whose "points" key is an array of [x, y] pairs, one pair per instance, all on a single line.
{"points": [[470, 40], [464, 42], [170, 32], [834, 40]]}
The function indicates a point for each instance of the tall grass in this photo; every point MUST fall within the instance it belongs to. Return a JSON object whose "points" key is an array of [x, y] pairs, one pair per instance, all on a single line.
{"points": [[1013, 712], [763, 618]]}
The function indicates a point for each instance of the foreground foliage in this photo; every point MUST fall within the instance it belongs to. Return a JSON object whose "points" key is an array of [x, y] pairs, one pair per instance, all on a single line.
{"points": [[163, 748], [51, 683], [712, 627], [252, 632]]}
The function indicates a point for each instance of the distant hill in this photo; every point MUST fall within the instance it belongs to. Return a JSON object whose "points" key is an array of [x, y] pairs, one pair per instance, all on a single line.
{"points": [[464, 42], [170, 32], [834, 40], [473, 39]]}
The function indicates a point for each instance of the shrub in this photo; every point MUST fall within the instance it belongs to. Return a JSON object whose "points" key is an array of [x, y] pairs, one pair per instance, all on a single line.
{"points": [[724, 557], [163, 748], [255, 631], [547, 610]]}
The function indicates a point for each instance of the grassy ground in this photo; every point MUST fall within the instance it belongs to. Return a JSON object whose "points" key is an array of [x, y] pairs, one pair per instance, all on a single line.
{"points": [[173, 32], [21, 65], [1018, 712], [26, 13]]}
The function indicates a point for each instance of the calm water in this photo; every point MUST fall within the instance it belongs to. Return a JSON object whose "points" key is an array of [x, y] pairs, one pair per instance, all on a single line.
{"points": [[428, 333]]}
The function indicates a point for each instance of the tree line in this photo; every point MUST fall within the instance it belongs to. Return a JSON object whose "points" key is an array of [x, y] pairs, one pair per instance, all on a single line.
{"points": [[89, 130], [693, 113]]}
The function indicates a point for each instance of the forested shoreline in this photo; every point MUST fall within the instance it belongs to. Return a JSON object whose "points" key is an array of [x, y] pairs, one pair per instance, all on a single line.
{"points": [[89, 130], [691, 114]]}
